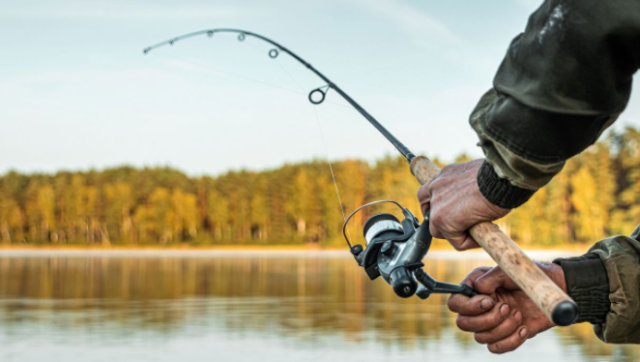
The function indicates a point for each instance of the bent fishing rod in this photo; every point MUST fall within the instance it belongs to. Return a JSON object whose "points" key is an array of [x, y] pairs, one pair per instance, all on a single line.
{"points": [[394, 249], [320, 91]]}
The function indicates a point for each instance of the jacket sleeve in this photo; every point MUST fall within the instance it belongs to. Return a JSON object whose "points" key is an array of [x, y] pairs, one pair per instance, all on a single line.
{"points": [[605, 283], [563, 81]]}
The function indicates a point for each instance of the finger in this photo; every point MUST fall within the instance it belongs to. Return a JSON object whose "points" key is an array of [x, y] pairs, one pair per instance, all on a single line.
{"points": [[456, 240], [437, 226], [476, 273], [466, 306], [434, 231], [424, 207], [424, 196], [434, 224], [468, 243], [494, 279], [502, 331], [510, 343], [461, 241], [459, 303], [485, 321]]}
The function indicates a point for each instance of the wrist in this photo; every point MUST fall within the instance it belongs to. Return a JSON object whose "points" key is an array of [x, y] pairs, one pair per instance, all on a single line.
{"points": [[499, 191], [555, 273], [587, 283]]}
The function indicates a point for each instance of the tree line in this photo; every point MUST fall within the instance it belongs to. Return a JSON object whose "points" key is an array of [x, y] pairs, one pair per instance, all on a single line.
{"points": [[596, 195]]}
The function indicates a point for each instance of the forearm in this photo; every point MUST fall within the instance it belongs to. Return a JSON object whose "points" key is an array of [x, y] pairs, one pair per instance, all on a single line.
{"points": [[552, 97], [526, 148]]}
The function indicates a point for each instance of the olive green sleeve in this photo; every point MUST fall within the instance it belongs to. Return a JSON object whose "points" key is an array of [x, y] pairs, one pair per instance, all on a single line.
{"points": [[519, 170], [621, 258], [563, 81], [605, 284]]}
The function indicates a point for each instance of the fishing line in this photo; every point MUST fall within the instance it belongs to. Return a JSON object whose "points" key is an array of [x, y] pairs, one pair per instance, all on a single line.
{"points": [[333, 176], [232, 74], [324, 144], [320, 91], [247, 78], [301, 92]]}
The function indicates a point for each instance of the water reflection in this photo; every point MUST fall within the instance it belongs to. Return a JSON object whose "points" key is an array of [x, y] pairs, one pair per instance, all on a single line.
{"points": [[240, 309]]}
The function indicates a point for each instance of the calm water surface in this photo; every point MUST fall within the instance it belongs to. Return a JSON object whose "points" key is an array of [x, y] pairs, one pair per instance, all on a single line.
{"points": [[240, 307]]}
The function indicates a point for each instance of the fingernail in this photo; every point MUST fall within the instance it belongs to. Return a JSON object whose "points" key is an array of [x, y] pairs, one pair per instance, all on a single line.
{"points": [[504, 309], [486, 303], [518, 317], [523, 332]]}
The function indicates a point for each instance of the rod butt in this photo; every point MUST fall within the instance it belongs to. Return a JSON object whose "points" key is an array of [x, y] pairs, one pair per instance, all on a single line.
{"points": [[565, 313]]}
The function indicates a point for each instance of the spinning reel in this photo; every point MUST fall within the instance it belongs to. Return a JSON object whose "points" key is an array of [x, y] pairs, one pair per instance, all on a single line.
{"points": [[395, 251]]}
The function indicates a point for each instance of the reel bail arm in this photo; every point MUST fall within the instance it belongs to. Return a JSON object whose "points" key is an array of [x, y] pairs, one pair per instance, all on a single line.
{"points": [[429, 286]]}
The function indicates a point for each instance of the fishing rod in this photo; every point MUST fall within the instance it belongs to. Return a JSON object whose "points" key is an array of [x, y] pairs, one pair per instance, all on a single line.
{"points": [[394, 249], [320, 91]]}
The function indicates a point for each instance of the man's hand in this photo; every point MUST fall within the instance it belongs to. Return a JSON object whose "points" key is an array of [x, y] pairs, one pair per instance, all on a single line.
{"points": [[503, 316], [457, 204]]}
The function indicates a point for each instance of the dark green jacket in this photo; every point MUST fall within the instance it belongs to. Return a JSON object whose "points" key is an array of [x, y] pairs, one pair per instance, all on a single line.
{"points": [[562, 83]]}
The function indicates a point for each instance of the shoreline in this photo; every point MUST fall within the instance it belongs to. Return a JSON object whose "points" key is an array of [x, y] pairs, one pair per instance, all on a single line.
{"points": [[536, 254], [437, 245]]}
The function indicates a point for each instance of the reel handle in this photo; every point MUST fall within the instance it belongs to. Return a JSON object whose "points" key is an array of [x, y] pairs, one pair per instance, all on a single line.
{"points": [[552, 300]]}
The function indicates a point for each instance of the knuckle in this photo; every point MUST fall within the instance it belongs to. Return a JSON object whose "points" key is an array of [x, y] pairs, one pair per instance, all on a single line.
{"points": [[462, 323], [479, 270], [509, 326], [464, 247], [495, 317], [434, 232], [498, 334], [429, 186], [434, 184], [423, 192], [452, 303], [457, 246], [486, 279], [437, 217], [481, 338], [446, 169]]}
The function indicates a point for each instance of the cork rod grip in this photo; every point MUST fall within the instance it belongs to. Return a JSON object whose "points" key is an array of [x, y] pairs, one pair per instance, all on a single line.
{"points": [[552, 300]]}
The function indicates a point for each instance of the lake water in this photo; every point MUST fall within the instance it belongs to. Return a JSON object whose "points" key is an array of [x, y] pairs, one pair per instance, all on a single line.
{"points": [[229, 306]]}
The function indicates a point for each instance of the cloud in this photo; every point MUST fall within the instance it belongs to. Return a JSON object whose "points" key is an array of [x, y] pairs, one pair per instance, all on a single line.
{"points": [[530, 5], [411, 20], [115, 10], [425, 31]]}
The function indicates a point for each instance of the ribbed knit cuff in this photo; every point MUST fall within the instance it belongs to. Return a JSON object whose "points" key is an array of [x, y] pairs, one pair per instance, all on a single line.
{"points": [[588, 286], [500, 191]]}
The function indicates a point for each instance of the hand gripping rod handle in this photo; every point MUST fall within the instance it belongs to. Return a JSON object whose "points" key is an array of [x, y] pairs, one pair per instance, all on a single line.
{"points": [[552, 300]]}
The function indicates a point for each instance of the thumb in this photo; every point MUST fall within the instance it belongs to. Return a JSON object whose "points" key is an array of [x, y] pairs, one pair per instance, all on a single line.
{"points": [[495, 279]]}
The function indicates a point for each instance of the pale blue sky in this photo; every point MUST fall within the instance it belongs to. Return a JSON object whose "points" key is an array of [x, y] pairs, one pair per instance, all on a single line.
{"points": [[76, 91]]}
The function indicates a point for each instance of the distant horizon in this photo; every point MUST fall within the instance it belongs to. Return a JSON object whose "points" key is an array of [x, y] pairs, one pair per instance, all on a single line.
{"points": [[265, 168], [223, 172]]}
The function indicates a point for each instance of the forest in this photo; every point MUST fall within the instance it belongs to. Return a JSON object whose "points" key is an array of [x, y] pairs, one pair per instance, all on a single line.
{"points": [[596, 195]]}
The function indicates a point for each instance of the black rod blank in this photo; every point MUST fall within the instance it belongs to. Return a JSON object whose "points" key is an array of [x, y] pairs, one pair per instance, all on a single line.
{"points": [[242, 34]]}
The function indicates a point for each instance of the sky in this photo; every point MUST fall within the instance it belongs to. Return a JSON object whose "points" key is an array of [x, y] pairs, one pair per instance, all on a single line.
{"points": [[76, 91]]}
